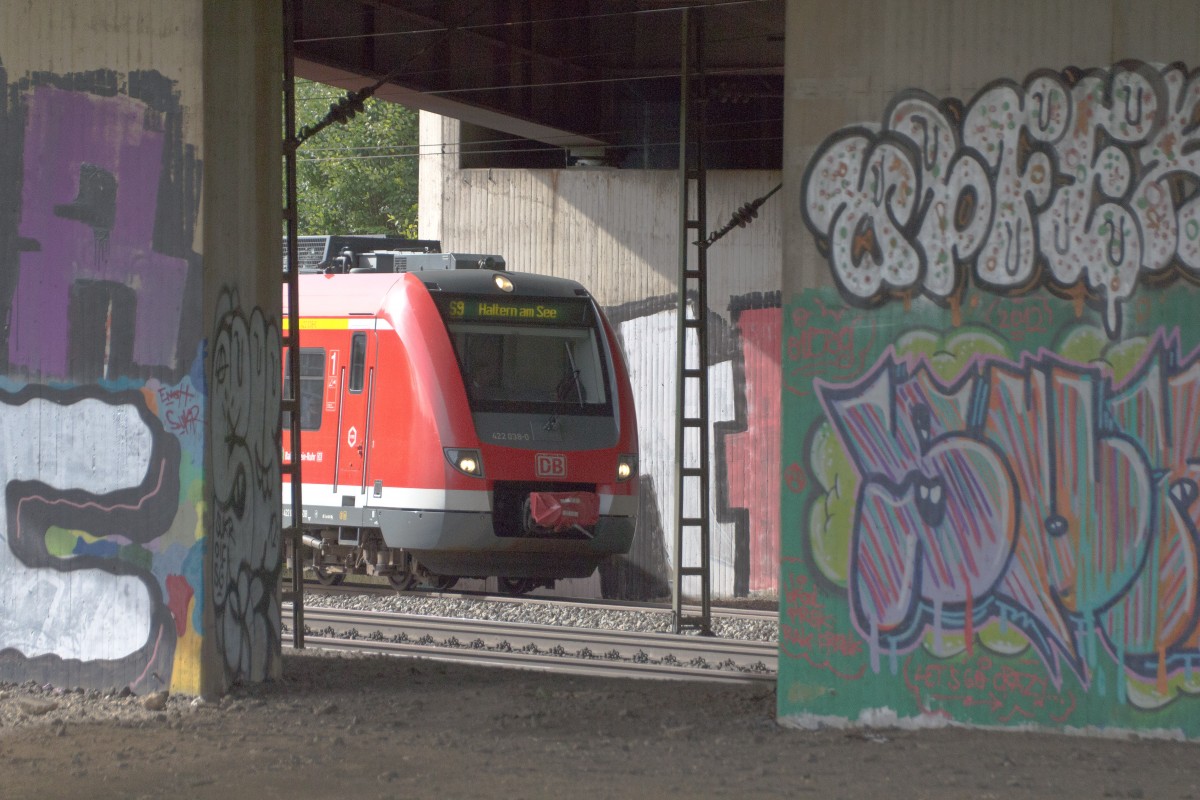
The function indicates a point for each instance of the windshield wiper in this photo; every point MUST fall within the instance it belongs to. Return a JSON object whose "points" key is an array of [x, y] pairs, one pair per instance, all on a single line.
{"points": [[574, 376]]}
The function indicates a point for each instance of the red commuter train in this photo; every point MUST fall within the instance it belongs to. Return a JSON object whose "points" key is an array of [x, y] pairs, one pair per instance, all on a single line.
{"points": [[460, 422]]}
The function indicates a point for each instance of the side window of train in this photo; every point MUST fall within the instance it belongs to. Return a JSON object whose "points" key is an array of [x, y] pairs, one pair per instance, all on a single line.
{"points": [[358, 361], [312, 386]]}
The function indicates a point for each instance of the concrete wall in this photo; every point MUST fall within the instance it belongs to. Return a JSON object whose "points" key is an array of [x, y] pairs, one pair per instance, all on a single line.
{"points": [[991, 365], [134, 185], [616, 232]]}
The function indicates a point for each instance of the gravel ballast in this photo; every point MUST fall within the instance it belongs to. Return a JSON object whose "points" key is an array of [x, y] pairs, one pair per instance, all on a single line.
{"points": [[569, 615]]}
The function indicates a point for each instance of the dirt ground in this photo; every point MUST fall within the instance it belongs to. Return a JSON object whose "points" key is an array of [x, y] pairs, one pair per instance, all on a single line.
{"points": [[398, 727]]}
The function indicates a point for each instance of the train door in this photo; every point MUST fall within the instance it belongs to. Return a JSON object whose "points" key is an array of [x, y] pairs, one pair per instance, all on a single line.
{"points": [[354, 382]]}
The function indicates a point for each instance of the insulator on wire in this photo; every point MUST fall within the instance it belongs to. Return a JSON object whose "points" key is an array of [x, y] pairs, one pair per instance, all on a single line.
{"points": [[345, 109], [746, 214], [740, 218], [341, 112]]}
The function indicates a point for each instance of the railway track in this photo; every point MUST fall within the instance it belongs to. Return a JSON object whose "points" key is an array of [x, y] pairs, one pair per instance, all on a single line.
{"points": [[315, 588], [557, 648]]}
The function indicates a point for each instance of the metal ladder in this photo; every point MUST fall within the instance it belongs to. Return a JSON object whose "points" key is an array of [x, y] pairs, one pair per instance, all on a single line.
{"points": [[291, 337], [691, 365]]}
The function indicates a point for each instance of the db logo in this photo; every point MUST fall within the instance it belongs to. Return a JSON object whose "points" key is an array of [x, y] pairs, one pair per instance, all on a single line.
{"points": [[550, 465]]}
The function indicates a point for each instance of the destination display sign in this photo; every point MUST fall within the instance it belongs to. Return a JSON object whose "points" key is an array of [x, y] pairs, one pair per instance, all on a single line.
{"points": [[514, 309]]}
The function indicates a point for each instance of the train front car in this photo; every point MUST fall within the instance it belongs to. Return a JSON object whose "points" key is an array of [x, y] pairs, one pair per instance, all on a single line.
{"points": [[536, 428], [481, 425]]}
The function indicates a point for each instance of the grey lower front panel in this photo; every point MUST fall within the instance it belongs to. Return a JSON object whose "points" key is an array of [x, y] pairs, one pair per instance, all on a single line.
{"points": [[434, 530], [463, 543]]}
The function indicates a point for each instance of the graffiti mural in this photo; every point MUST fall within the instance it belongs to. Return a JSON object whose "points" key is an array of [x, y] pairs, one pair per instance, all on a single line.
{"points": [[102, 466], [246, 429], [990, 487], [749, 443], [999, 527], [744, 415], [104, 264], [102, 392], [1081, 182]]}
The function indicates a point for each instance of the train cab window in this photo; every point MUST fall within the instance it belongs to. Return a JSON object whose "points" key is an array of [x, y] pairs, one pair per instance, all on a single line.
{"points": [[312, 387], [536, 368], [358, 362]]}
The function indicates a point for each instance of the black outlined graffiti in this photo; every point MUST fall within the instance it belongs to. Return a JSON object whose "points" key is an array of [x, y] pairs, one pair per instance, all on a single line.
{"points": [[99, 463], [245, 439]]}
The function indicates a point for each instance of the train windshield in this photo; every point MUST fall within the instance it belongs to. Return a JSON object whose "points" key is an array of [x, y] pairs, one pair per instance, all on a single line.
{"points": [[552, 364]]}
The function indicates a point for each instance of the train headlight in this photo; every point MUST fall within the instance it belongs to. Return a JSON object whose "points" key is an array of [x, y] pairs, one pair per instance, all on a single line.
{"points": [[465, 460], [627, 467], [503, 283]]}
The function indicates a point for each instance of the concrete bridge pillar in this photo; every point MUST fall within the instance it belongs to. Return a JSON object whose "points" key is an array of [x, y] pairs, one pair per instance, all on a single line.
{"points": [[139, 352]]}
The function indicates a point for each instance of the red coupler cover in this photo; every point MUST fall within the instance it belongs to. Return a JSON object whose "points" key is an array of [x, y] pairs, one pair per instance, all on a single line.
{"points": [[560, 511]]}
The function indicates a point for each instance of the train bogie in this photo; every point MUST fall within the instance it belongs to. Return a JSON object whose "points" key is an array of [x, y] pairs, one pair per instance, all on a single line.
{"points": [[462, 423]]}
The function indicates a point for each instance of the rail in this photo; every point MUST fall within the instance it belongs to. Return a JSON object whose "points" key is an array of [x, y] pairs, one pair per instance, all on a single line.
{"points": [[557, 648]]}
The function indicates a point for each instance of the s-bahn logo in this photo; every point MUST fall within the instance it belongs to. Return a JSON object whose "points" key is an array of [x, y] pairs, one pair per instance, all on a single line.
{"points": [[550, 465]]}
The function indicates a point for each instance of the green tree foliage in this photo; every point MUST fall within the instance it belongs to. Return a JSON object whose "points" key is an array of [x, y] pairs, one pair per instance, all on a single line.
{"points": [[357, 177]]}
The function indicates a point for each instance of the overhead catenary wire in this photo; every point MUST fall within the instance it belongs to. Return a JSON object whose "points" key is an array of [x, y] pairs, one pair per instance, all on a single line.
{"points": [[352, 102], [453, 149], [501, 87], [576, 59], [712, 126], [517, 23], [338, 153], [443, 146], [349, 105], [345, 109]]}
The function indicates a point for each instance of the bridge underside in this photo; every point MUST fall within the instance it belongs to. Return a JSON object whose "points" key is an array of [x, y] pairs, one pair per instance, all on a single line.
{"points": [[597, 80]]}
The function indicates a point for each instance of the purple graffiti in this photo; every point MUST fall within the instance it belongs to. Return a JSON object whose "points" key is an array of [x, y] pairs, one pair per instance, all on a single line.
{"points": [[93, 296], [936, 505], [1039, 495]]}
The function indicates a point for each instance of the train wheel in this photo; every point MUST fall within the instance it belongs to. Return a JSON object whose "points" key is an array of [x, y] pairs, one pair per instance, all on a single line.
{"points": [[407, 578], [445, 582], [328, 578], [402, 581], [517, 586]]}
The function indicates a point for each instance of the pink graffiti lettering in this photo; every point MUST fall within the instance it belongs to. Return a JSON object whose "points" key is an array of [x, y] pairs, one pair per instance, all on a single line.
{"points": [[1005, 691], [184, 421], [806, 625], [1019, 317], [828, 352], [181, 395]]}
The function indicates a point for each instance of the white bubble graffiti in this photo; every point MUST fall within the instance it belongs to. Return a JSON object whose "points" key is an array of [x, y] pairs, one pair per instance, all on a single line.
{"points": [[1086, 182], [79, 454]]}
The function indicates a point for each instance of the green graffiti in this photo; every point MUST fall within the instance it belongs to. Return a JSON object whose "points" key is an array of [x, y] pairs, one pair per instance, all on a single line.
{"points": [[832, 515], [988, 663]]}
